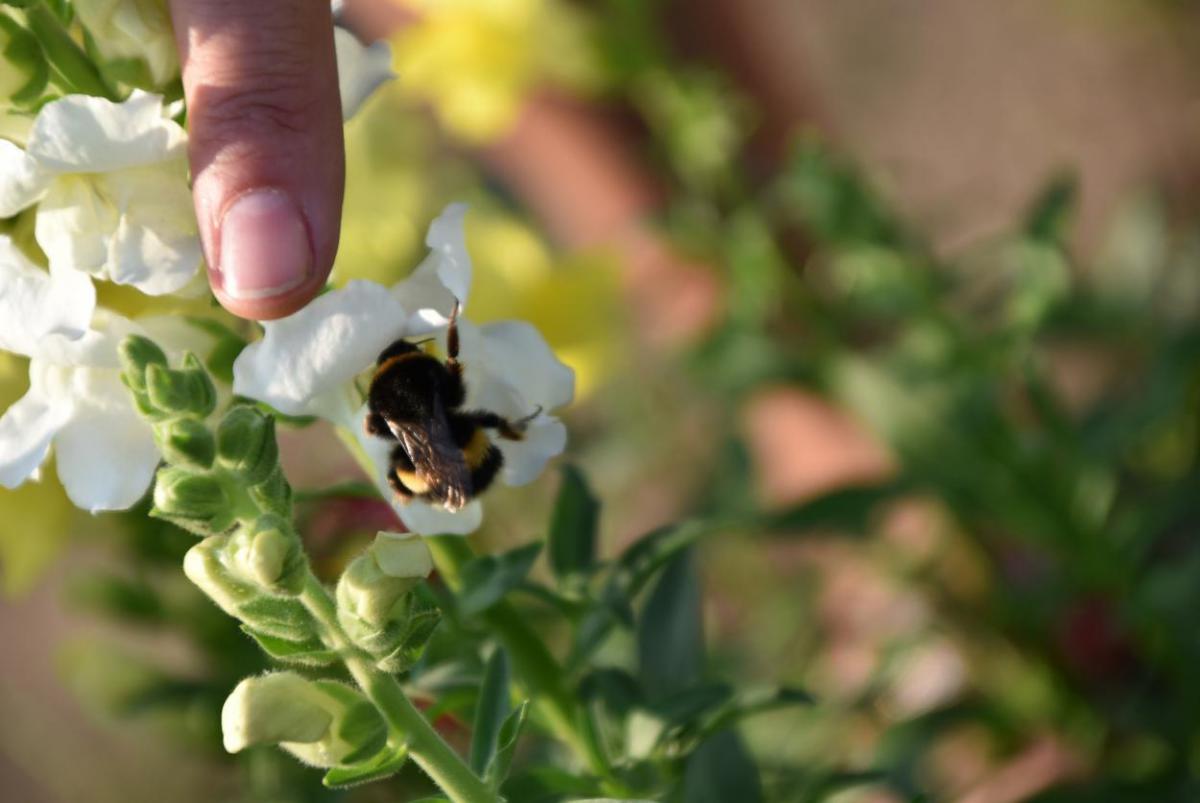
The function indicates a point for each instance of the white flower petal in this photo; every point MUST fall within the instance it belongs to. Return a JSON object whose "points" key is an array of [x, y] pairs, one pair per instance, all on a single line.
{"points": [[75, 224], [524, 460], [106, 457], [84, 134], [516, 353], [447, 238], [25, 433], [304, 358], [22, 181], [442, 277], [361, 70], [425, 519], [34, 303], [156, 245]]}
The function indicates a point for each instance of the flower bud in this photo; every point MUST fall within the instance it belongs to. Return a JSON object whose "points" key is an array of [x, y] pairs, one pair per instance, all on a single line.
{"points": [[377, 604], [269, 555], [186, 441], [366, 593], [402, 555], [274, 708], [377, 579], [192, 500], [273, 494], [246, 444], [23, 67], [357, 731], [202, 565], [138, 353], [211, 565], [185, 391]]}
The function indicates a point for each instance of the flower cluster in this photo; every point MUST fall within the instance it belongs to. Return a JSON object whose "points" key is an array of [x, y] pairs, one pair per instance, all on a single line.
{"points": [[102, 185], [307, 364]]}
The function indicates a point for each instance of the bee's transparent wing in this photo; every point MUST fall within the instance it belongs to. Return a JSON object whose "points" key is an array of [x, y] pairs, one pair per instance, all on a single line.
{"points": [[436, 459]]}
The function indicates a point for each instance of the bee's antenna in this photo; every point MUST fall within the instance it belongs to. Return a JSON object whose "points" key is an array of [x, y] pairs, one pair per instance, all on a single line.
{"points": [[424, 340]]}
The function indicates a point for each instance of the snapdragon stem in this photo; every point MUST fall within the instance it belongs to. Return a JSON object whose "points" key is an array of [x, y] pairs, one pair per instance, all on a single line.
{"points": [[535, 668], [425, 746]]}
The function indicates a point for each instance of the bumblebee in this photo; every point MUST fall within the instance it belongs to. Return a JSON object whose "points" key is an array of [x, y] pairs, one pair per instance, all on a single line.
{"points": [[444, 455]]}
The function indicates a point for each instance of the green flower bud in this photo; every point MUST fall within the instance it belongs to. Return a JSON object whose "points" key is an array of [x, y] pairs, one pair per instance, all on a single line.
{"points": [[357, 732], [203, 566], [274, 708], [208, 565], [138, 353], [377, 579], [246, 444], [402, 555], [192, 500], [402, 643], [377, 603], [186, 441], [269, 555], [185, 391], [23, 67], [273, 494]]}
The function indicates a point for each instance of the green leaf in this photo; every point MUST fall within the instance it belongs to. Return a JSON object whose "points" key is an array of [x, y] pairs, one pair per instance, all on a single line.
{"points": [[490, 712], [720, 771], [549, 783], [1050, 214], [506, 746], [387, 762], [636, 566], [572, 541], [670, 635], [486, 579], [310, 652], [846, 509]]}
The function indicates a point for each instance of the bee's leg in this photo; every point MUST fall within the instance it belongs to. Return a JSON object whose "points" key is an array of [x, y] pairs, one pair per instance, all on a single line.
{"points": [[456, 391], [512, 430], [374, 424]]}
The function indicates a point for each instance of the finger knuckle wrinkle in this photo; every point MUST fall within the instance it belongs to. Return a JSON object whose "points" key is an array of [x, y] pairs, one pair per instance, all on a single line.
{"points": [[255, 113]]}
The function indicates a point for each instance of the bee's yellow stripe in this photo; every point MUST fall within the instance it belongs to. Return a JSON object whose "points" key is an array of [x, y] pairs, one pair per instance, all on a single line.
{"points": [[412, 482], [476, 448], [391, 361]]}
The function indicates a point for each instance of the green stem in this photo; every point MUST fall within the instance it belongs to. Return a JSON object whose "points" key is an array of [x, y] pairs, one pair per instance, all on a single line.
{"points": [[425, 745], [537, 669], [534, 666], [70, 63]]}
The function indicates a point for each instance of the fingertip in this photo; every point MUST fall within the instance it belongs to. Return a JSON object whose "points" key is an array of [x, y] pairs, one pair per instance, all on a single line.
{"points": [[271, 308]]}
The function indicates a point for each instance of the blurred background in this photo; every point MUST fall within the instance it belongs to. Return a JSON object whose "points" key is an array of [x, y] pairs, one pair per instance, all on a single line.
{"points": [[904, 292]]}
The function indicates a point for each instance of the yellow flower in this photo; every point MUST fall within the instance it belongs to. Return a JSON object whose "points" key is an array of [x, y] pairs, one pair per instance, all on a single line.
{"points": [[474, 61]]}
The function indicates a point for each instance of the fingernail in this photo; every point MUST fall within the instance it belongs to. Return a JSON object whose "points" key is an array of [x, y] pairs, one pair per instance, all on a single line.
{"points": [[265, 250]]}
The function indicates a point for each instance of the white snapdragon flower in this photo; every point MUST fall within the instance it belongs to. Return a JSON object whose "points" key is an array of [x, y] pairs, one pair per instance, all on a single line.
{"points": [[76, 403], [110, 181], [307, 364]]}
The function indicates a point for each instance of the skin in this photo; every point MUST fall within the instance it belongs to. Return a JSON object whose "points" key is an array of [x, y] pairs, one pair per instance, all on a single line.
{"points": [[265, 147]]}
